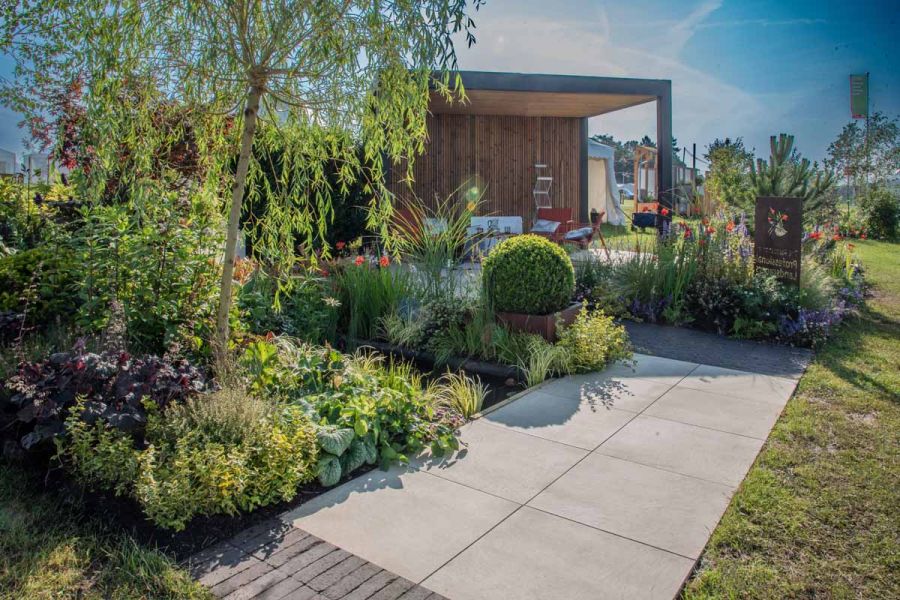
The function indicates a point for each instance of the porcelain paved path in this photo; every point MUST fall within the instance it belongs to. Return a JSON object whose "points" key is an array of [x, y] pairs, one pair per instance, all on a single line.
{"points": [[598, 486]]}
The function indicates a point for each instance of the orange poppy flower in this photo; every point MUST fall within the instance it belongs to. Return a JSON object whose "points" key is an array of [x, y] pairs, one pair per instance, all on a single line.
{"points": [[359, 261], [384, 261]]}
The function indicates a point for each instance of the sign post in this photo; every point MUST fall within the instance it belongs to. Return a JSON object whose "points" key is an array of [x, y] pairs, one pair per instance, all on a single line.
{"points": [[859, 96], [777, 236]]}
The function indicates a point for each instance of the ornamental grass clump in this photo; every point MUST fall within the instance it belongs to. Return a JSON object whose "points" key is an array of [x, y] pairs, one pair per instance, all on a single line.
{"points": [[528, 274]]}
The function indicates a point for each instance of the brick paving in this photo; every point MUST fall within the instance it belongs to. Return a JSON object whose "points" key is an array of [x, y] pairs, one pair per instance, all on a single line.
{"points": [[274, 561]]}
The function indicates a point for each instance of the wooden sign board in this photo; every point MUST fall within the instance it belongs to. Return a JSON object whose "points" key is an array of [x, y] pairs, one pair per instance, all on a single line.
{"points": [[777, 236]]}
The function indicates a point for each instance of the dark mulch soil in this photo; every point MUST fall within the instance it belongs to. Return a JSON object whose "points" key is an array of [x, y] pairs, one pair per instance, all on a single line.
{"points": [[125, 514]]}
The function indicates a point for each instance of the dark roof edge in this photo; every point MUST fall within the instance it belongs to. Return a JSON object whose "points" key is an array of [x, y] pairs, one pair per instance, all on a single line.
{"points": [[566, 84]]}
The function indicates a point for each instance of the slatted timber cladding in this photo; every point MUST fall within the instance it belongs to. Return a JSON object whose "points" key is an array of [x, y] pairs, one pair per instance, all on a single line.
{"points": [[498, 153]]}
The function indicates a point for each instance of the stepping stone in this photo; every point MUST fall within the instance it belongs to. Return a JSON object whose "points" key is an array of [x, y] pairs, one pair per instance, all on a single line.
{"points": [[503, 462], [687, 449], [662, 509], [533, 555], [407, 522], [652, 368], [724, 412], [730, 382]]}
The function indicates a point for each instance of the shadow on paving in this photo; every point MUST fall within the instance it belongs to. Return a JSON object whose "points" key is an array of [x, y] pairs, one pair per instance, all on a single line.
{"points": [[691, 345]]}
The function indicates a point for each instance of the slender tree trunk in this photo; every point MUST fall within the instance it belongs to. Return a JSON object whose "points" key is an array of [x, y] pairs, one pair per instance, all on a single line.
{"points": [[237, 196]]}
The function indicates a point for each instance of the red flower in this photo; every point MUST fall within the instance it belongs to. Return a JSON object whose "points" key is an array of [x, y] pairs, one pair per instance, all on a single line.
{"points": [[710, 230], [862, 236], [815, 235], [784, 217], [359, 261], [730, 227], [705, 221], [270, 336], [687, 233], [384, 261], [702, 242], [837, 237], [771, 210], [664, 212], [323, 272], [340, 245]]}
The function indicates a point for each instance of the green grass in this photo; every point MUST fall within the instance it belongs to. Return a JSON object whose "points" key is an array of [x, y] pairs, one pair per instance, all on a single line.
{"points": [[819, 513], [48, 550]]}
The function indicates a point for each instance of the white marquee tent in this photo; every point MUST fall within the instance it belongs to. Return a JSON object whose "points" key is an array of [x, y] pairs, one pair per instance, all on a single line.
{"points": [[603, 193]]}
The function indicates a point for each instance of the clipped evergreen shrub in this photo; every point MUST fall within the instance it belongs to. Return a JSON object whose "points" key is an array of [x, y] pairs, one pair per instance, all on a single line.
{"points": [[528, 274]]}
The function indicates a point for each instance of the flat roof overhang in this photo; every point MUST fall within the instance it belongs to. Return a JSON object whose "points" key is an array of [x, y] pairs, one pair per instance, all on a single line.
{"points": [[533, 95]]}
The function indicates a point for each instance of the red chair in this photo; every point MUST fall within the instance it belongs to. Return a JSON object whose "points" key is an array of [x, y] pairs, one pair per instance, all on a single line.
{"points": [[567, 224]]}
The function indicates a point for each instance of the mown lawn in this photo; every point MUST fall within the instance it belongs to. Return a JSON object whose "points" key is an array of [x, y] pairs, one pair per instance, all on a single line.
{"points": [[49, 551], [819, 514]]}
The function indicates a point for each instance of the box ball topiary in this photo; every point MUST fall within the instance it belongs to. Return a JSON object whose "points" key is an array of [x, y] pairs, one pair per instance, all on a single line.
{"points": [[528, 274]]}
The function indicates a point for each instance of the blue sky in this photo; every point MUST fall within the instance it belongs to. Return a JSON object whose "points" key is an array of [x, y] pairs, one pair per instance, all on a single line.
{"points": [[738, 68]]}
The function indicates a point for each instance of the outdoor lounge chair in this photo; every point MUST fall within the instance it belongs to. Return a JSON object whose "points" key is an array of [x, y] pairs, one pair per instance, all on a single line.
{"points": [[557, 224]]}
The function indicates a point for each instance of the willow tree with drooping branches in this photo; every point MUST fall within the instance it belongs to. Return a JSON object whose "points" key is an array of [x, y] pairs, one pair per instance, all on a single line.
{"points": [[314, 78]]}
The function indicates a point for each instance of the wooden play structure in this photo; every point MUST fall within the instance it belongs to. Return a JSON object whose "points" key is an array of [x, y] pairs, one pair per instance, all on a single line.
{"points": [[645, 182]]}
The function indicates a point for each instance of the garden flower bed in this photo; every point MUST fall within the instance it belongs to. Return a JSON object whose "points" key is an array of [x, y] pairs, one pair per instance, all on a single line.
{"points": [[702, 275]]}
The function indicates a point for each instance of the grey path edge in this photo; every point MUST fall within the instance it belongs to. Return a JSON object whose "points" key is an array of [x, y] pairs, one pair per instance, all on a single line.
{"points": [[275, 561]]}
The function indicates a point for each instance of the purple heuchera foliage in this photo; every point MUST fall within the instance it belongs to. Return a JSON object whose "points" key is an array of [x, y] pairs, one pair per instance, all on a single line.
{"points": [[114, 385]]}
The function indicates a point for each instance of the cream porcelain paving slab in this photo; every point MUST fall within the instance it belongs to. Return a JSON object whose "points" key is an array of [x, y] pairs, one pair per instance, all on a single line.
{"points": [[533, 555], [503, 462], [724, 412], [741, 384], [663, 509], [687, 449], [625, 393], [408, 522], [654, 368], [569, 420]]}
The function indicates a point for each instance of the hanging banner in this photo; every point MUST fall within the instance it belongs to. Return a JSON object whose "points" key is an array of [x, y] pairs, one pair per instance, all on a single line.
{"points": [[777, 236], [859, 96]]}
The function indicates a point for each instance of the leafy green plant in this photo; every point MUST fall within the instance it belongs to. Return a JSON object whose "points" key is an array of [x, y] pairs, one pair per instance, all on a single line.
{"points": [[528, 274], [592, 341], [219, 453], [880, 208], [341, 453], [40, 283]]}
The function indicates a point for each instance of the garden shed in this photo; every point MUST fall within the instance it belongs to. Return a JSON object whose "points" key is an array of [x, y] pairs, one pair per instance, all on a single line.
{"points": [[511, 122]]}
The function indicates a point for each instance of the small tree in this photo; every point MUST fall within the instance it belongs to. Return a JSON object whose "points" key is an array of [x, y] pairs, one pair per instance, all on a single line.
{"points": [[866, 154], [788, 174], [729, 173], [320, 73]]}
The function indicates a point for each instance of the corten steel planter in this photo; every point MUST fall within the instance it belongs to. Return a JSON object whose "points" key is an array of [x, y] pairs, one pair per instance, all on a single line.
{"points": [[542, 325]]}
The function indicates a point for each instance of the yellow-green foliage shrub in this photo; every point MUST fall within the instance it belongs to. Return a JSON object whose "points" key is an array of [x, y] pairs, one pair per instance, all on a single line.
{"points": [[218, 453], [592, 341]]}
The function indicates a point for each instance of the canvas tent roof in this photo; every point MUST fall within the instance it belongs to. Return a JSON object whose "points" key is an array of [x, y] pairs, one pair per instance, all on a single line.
{"points": [[603, 193]]}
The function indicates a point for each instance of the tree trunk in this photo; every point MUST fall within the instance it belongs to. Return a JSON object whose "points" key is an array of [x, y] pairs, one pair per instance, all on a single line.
{"points": [[237, 196]]}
